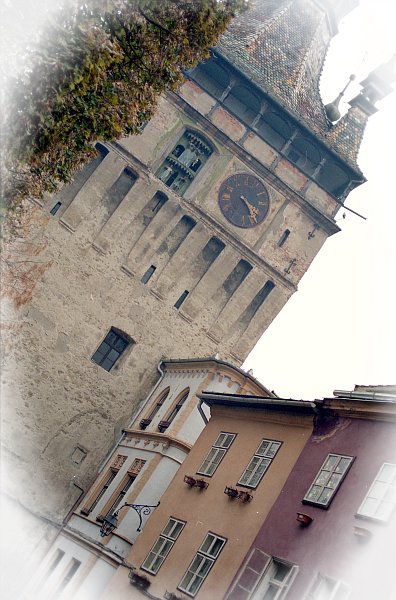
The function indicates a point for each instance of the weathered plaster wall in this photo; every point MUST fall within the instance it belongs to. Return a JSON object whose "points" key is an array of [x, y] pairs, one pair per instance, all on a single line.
{"points": [[210, 509]]}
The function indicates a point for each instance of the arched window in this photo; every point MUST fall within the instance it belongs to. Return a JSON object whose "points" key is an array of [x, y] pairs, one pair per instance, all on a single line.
{"points": [[303, 154], [212, 77], [243, 103], [180, 401], [185, 161], [159, 402], [333, 179], [178, 150], [275, 130]]}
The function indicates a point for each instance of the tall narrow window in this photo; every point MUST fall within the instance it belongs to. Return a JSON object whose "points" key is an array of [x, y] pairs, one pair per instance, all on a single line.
{"points": [[277, 580], [163, 546], [104, 485], [59, 554], [72, 570], [110, 349], [328, 480], [157, 202], [181, 299], [148, 274], [283, 237], [181, 400], [201, 564], [260, 462], [161, 399], [325, 588], [55, 208], [119, 498], [184, 162], [120, 493], [380, 500], [216, 453]]}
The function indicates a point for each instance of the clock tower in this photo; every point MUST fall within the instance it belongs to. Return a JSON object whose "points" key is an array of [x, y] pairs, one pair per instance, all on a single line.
{"points": [[182, 242]]}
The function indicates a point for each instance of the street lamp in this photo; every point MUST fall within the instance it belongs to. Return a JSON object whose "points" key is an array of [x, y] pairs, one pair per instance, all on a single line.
{"points": [[111, 522]]}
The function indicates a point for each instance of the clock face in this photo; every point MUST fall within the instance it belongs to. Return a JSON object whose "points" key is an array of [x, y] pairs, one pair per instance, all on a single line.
{"points": [[243, 200]]}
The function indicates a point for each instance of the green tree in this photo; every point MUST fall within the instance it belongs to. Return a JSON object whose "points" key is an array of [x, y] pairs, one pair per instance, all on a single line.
{"points": [[97, 74]]}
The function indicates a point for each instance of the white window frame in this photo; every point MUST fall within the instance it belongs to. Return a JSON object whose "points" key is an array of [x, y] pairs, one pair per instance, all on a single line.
{"points": [[269, 580], [381, 499], [323, 480], [259, 463], [216, 453], [163, 545], [201, 564], [340, 591]]}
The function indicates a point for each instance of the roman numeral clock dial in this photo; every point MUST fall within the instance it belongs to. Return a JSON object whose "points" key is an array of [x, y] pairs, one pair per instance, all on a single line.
{"points": [[243, 200]]}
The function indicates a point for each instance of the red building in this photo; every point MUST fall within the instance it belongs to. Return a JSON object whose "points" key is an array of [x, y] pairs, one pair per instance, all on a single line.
{"points": [[331, 533]]}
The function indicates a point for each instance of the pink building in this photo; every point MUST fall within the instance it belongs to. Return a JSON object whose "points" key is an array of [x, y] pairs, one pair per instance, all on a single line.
{"points": [[330, 534]]}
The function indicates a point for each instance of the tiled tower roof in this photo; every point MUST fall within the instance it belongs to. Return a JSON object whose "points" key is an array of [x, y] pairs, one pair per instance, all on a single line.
{"points": [[281, 46]]}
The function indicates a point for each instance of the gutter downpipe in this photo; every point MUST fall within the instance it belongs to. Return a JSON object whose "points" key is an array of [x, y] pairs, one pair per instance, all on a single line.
{"points": [[201, 412], [365, 396]]}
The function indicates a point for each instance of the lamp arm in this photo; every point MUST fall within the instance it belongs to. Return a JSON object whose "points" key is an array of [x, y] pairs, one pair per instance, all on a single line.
{"points": [[140, 509]]}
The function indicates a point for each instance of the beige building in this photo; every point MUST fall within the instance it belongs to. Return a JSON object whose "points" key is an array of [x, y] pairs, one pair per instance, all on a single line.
{"points": [[209, 516]]}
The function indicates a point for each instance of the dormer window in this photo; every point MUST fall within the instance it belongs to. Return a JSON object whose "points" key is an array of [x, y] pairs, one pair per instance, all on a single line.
{"points": [[184, 162]]}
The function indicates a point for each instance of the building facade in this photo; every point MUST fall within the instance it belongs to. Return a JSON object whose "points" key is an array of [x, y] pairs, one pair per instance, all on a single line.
{"points": [[138, 470], [342, 490], [186, 240], [194, 541]]}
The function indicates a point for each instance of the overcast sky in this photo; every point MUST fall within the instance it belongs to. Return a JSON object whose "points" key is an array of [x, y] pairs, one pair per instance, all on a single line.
{"points": [[339, 329]]}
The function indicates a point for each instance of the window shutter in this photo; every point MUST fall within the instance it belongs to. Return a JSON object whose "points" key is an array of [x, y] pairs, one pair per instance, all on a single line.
{"points": [[249, 575]]}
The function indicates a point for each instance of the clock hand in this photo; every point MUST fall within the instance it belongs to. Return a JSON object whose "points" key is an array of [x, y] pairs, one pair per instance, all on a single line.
{"points": [[253, 211]]}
